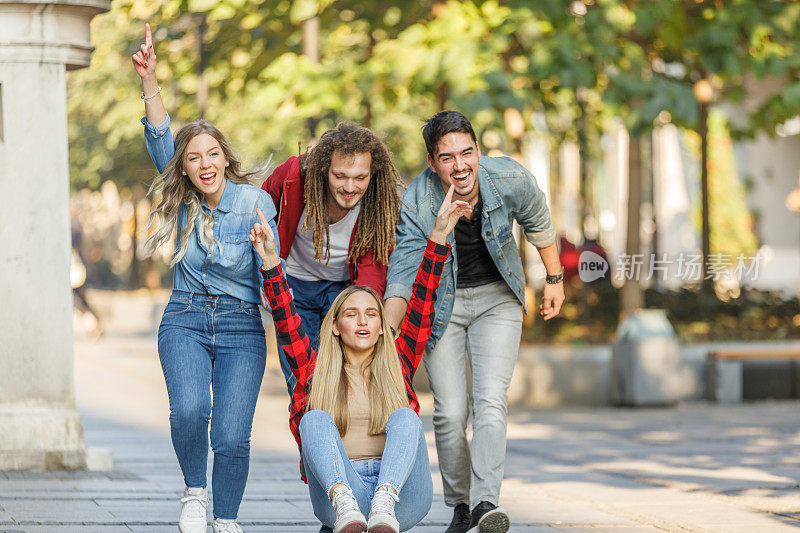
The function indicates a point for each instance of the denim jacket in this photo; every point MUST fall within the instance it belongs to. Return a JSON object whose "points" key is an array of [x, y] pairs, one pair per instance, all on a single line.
{"points": [[230, 265], [509, 192]]}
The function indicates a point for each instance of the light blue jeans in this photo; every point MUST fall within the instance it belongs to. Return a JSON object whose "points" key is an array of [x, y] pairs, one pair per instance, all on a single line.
{"points": [[214, 343], [484, 330], [404, 465]]}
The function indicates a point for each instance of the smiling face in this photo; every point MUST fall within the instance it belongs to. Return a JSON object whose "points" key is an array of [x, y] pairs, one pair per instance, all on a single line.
{"points": [[456, 162], [204, 163], [359, 323], [348, 179]]}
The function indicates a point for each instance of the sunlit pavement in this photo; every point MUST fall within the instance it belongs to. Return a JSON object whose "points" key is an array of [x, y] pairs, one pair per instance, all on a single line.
{"points": [[694, 468]]}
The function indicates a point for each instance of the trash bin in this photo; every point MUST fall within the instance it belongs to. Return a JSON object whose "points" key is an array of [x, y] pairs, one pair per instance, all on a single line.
{"points": [[646, 361]]}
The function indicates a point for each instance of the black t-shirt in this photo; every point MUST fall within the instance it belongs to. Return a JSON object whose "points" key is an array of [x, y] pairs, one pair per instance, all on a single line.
{"points": [[475, 265]]}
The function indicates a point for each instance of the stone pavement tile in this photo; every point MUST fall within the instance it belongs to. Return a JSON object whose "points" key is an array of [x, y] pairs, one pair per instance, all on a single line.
{"points": [[275, 510], [151, 510], [555, 512], [606, 529], [69, 528], [46, 511]]}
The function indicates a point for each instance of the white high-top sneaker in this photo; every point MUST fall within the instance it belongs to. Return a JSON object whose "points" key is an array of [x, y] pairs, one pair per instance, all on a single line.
{"points": [[381, 511], [220, 525], [193, 513], [349, 518]]}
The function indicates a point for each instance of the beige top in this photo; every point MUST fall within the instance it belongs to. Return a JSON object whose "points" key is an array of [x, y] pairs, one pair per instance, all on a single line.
{"points": [[358, 443]]}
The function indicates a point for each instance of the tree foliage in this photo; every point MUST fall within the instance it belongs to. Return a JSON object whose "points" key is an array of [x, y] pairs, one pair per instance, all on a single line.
{"points": [[573, 63]]}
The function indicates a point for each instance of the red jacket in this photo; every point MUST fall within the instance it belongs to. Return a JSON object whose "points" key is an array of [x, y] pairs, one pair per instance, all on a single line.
{"points": [[410, 343], [286, 186]]}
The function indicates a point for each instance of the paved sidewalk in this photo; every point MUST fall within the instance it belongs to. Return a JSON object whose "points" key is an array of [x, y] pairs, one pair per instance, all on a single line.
{"points": [[695, 468]]}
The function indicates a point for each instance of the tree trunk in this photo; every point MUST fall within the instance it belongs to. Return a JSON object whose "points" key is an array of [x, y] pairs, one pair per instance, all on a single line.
{"points": [[708, 284], [202, 82], [311, 51], [632, 295]]}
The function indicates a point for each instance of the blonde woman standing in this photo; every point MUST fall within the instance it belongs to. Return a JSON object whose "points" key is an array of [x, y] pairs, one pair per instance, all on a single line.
{"points": [[354, 411], [211, 338]]}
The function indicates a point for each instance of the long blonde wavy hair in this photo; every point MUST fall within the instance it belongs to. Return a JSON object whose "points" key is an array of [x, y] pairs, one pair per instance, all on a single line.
{"points": [[171, 189], [330, 384]]}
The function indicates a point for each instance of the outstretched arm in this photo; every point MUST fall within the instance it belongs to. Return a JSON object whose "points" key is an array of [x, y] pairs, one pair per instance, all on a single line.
{"points": [[144, 61], [157, 136], [291, 333], [410, 238], [416, 327]]}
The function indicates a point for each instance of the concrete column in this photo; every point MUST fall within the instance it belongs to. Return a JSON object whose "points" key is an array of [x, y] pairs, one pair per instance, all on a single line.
{"points": [[39, 41]]}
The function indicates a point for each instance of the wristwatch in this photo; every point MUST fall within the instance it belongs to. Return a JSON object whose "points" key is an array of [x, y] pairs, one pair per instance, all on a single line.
{"points": [[556, 278]]}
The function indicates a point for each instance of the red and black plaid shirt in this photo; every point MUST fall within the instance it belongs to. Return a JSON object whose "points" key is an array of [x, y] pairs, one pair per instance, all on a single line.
{"points": [[410, 343]]}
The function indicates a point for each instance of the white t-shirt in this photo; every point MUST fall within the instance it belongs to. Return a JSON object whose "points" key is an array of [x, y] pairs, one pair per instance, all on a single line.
{"points": [[301, 263]]}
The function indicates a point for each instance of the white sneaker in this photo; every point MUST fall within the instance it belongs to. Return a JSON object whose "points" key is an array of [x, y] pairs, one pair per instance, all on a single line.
{"points": [[349, 518], [381, 512], [193, 513], [220, 525]]}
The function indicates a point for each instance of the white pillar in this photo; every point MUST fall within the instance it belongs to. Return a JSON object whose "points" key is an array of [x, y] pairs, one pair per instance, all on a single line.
{"points": [[39, 425]]}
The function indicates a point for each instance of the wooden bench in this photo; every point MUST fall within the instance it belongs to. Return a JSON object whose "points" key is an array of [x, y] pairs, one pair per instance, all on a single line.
{"points": [[724, 370]]}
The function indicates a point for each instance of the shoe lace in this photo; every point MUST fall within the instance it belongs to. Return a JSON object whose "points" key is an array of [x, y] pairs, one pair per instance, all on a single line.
{"points": [[344, 501], [194, 505], [229, 527], [383, 502]]}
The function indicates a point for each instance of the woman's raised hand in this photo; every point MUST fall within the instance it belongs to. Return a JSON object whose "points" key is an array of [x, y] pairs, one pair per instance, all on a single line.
{"points": [[449, 213], [144, 61], [264, 242]]}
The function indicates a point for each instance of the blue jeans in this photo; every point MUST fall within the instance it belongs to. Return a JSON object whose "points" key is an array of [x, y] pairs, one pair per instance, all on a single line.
{"points": [[484, 330], [404, 466], [312, 299], [212, 343]]}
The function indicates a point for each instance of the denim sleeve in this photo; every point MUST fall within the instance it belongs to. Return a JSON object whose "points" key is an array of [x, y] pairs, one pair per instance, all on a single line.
{"points": [[406, 256], [534, 215], [159, 142]]}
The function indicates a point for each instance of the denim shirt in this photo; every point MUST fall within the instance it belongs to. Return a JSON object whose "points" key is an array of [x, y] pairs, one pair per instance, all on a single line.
{"points": [[229, 266], [509, 192]]}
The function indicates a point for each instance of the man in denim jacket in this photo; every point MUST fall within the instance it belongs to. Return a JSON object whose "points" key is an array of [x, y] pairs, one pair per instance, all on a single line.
{"points": [[479, 306]]}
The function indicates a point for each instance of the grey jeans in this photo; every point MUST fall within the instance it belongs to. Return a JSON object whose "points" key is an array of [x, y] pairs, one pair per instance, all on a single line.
{"points": [[484, 330]]}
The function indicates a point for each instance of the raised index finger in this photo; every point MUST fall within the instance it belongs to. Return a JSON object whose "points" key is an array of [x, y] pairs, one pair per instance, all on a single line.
{"points": [[448, 198], [148, 36], [262, 218]]}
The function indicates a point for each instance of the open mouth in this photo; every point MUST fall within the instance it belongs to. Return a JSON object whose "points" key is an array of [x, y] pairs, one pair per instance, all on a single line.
{"points": [[208, 178], [461, 179], [362, 333], [348, 195]]}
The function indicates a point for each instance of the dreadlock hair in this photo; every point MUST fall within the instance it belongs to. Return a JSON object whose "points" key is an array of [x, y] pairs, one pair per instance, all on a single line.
{"points": [[379, 205]]}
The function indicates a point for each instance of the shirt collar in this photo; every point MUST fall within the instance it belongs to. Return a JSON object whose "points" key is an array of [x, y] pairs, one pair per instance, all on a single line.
{"points": [[228, 197]]}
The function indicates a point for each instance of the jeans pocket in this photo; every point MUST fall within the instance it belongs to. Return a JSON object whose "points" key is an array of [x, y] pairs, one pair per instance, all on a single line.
{"points": [[176, 307], [250, 310]]}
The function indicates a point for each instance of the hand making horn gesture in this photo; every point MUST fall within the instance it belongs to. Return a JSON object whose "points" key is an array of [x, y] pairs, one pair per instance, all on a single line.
{"points": [[448, 215]]}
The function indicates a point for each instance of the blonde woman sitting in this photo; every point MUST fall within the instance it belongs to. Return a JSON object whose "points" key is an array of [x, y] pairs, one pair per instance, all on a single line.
{"points": [[354, 411]]}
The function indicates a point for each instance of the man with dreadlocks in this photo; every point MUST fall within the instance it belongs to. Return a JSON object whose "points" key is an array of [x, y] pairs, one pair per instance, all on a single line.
{"points": [[337, 209]]}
